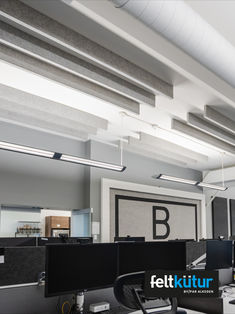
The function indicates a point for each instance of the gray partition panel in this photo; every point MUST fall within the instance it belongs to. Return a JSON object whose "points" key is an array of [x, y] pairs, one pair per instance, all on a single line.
{"points": [[21, 241], [220, 217], [22, 265], [232, 216], [194, 250]]}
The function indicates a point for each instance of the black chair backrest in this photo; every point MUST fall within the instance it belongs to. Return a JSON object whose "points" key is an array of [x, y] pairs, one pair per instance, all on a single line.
{"points": [[128, 290], [123, 289]]}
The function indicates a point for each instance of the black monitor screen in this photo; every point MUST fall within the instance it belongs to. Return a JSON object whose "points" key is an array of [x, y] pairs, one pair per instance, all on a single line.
{"points": [[129, 239], [134, 257], [218, 254], [74, 267], [51, 240]]}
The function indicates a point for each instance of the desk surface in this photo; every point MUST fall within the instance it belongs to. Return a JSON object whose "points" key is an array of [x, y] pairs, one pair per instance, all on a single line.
{"points": [[188, 312], [211, 304], [228, 295]]}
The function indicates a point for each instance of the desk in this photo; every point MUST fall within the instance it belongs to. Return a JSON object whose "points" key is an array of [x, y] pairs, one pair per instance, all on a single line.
{"points": [[211, 305], [228, 308], [188, 312]]}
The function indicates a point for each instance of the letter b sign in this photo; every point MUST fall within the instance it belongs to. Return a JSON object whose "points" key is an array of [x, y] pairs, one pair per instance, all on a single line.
{"points": [[160, 222]]}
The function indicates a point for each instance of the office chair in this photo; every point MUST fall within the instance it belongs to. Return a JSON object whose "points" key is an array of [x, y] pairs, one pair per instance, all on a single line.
{"points": [[128, 290]]}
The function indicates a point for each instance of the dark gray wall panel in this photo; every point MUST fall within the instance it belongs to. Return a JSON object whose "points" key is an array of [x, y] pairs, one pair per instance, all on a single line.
{"points": [[220, 217], [232, 216]]}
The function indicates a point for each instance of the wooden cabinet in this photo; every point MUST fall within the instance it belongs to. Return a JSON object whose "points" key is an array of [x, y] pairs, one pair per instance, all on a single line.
{"points": [[56, 222]]}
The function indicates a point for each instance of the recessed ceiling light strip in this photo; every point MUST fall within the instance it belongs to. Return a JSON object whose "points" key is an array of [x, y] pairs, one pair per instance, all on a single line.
{"points": [[58, 156]]}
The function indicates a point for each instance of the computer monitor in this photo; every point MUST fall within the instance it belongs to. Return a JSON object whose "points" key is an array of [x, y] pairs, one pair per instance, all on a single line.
{"points": [[54, 240], [129, 239], [218, 254], [72, 268], [42, 241], [185, 240], [134, 257], [80, 240]]}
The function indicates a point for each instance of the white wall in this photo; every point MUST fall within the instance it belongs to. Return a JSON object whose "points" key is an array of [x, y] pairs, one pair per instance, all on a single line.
{"points": [[9, 219], [35, 181], [40, 191]]}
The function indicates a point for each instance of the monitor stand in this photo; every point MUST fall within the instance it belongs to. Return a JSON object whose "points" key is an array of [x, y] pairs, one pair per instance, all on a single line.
{"points": [[77, 307]]}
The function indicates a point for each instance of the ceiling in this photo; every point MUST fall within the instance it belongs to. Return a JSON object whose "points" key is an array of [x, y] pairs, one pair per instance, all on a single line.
{"points": [[192, 90], [219, 14]]}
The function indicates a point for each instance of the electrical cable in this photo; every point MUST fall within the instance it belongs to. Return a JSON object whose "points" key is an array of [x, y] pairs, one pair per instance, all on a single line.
{"points": [[228, 292], [58, 306], [62, 308]]}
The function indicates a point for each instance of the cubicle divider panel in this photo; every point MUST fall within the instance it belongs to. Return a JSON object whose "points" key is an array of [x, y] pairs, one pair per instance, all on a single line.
{"points": [[22, 265], [232, 216], [194, 250], [220, 217], [21, 241], [156, 217]]}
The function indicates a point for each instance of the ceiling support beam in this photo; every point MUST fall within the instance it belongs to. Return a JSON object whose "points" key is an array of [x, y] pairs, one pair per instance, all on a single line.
{"points": [[198, 122], [48, 107], [169, 147], [215, 176], [218, 118], [153, 155], [38, 49], [213, 142], [8, 108], [161, 152], [55, 74], [40, 124], [29, 20]]}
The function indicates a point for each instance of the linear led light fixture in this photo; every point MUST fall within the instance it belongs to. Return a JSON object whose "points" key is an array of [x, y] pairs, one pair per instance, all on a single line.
{"points": [[212, 186], [58, 156], [190, 182], [26, 150], [176, 179], [92, 163]]}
